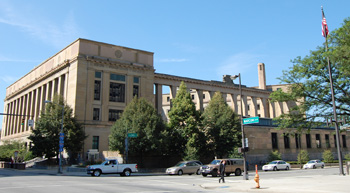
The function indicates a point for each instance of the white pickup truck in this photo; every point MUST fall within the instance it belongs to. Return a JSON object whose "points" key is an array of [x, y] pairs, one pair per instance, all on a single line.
{"points": [[111, 166]]}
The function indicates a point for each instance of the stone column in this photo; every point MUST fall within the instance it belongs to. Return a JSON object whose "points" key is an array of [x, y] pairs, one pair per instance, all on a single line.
{"points": [[199, 104], [173, 90], [285, 107], [234, 102], [245, 105], [211, 94], [272, 109], [253, 109], [263, 107]]}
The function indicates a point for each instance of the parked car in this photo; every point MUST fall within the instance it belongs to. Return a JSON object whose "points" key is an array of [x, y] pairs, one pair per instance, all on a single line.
{"points": [[111, 166], [185, 167], [313, 164], [276, 165], [232, 166]]}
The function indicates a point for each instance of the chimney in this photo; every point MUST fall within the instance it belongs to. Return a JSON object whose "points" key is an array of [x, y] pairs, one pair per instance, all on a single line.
{"points": [[262, 76]]}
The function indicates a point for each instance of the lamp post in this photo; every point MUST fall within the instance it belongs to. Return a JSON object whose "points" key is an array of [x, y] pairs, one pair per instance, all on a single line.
{"points": [[61, 141], [245, 173]]}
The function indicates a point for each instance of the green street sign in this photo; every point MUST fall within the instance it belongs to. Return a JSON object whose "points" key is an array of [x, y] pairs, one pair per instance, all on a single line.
{"points": [[250, 120], [132, 134]]}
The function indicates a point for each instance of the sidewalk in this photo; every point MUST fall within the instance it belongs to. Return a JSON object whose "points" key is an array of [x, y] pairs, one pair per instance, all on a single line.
{"points": [[305, 184]]}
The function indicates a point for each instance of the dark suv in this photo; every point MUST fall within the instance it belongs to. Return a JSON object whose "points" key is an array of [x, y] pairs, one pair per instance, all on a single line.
{"points": [[232, 166]]}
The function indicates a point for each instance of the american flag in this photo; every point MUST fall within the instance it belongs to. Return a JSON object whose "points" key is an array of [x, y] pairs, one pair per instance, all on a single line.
{"points": [[324, 25]]}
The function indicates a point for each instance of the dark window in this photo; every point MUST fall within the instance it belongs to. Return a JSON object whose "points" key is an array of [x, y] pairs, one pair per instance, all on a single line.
{"points": [[297, 141], [192, 97], [248, 107], [335, 140], [114, 115], [344, 140], [286, 141], [318, 141], [203, 96], [328, 145], [308, 141], [97, 90], [135, 91], [116, 92], [258, 106], [96, 114], [136, 80], [95, 142], [168, 99], [274, 140]]}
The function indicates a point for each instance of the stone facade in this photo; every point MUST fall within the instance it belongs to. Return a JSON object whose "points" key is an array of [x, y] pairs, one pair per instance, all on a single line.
{"points": [[98, 80]]}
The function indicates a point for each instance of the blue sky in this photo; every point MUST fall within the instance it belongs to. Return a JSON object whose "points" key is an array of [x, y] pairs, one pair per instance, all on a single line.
{"points": [[200, 39]]}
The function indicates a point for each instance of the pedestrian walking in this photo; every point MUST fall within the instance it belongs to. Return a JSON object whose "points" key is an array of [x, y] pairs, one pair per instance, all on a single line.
{"points": [[222, 171]]}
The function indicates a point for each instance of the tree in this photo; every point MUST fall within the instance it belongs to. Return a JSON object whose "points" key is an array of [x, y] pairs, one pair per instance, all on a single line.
{"points": [[142, 118], [303, 157], [274, 155], [327, 156], [8, 149], [221, 126], [45, 135], [310, 85], [184, 125]]}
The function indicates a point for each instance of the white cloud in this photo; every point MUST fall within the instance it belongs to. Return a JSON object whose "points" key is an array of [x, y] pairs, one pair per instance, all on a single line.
{"points": [[40, 27], [239, 63], [9, 79]]}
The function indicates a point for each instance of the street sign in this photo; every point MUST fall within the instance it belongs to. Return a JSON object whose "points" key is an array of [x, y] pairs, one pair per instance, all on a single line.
{"points": [[61, 149], [132, 134], [250, 120], [61, 134], [30, 123]]}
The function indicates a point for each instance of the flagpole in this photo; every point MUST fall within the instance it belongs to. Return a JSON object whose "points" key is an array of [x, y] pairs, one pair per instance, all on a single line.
{"points": [[325, 33]]}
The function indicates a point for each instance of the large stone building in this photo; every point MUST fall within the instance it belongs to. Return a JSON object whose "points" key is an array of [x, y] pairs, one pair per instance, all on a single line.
{"points": [[98, 80]]}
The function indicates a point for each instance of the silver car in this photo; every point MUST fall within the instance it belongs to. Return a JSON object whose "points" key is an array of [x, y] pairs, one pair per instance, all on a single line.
{"points": [[276, 165], [185, 167], [313, 164]]}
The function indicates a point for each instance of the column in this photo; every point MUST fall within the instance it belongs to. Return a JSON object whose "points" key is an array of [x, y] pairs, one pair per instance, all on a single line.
{"points": [[234, 102], [245, 105], [254, 110], [285, 107], [173, 91], [211, 94], [159, 98], [199, 104], [272, 109], [263, 107]]}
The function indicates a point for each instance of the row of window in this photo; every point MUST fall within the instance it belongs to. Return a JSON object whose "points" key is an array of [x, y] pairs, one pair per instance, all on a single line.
{"points": [[297, 138]]}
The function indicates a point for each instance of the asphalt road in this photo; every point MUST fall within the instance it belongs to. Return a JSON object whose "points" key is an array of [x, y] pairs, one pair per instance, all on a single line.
{"points": [[45, 181]]}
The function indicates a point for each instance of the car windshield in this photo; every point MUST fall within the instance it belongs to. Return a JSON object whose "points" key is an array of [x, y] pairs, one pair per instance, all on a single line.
{"points": [[215, 162], [180, 164], [310, 162], [274, 162]]}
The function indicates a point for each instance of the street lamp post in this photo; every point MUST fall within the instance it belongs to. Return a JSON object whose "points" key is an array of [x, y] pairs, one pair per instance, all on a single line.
{"points": [[245, 173], [61, 141]]}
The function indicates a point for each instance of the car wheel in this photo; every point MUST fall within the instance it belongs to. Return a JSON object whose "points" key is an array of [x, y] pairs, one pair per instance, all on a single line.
{"points": [[97, 173], [275, 168], [126, 172], [204, 175], [180, 172], [198, 172], [314, 167], [238, 172], [214, 173], [287, 168]]}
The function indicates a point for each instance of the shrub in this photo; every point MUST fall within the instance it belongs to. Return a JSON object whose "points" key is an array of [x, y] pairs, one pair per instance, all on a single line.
{"points": [[274, 155], [328, 156], [347, 157]]}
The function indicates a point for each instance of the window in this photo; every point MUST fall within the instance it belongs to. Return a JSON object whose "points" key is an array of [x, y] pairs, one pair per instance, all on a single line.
{"points": [[248, 107], [167, 99], [203, 96], [117, 77], [136, 89], [97, 90], [114, 115], [328, 145], [297, 141], [344, 140], [96, 114], [318, 141], [95, 142], [116, 92], [308, 141], [98, 75], [258, 106], [286, 141], [274, 141], [192, 97]]}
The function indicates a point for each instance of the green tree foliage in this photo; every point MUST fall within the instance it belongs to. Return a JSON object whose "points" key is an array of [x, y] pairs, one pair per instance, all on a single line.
{"points": [[303, 157], [310, 85], [184, 126], [327, 156], [45, 135], [7, 151], [274, 155], [221, 126], [142, 118]]}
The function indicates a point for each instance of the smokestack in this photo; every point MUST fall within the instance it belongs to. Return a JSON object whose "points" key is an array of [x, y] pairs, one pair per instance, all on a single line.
{"points": [[262, 76]]}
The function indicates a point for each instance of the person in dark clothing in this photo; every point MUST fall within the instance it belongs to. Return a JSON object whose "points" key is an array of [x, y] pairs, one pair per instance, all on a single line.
{"points": [[222, 171]]}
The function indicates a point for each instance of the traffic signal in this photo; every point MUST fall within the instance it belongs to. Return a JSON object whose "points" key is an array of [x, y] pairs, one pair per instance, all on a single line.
{"points": [[22, 123]]}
